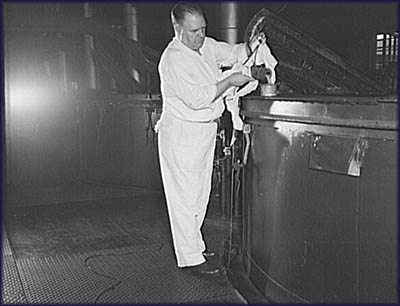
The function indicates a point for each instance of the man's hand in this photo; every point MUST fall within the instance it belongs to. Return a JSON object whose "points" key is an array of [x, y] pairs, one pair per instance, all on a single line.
{"points": [[238, 79], [257, 40], [235, 79]]}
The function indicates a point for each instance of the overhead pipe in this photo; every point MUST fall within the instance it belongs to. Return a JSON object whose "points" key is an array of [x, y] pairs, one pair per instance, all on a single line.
{"points": [[6, 119], [131, 27], [88, 45], [131, 21], [229, 22]]}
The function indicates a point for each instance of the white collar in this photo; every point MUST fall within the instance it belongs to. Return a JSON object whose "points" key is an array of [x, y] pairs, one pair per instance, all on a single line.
{"points": [[176, 40]]}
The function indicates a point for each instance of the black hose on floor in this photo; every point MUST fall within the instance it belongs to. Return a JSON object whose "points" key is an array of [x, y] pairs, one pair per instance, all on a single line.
{"points": [[118, 281]]}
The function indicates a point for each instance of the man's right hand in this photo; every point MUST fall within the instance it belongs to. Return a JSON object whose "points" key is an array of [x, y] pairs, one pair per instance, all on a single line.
{"points": [[238, 79], [235, 79]]}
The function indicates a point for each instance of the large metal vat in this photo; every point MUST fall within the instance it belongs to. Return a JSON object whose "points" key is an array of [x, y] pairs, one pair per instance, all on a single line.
{"points": [[116, 141], [320, 199]]}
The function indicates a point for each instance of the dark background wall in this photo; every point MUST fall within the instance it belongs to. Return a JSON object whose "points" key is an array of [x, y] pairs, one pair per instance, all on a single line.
{"points": [[347, 28]]}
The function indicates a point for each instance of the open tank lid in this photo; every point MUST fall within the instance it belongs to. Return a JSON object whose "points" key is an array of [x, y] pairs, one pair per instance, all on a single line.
{"points": [[306, 67]]}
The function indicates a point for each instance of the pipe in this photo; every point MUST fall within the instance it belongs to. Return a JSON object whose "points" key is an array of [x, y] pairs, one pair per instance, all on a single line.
{"points": [[6, 119], [131, 32], [229, 22], [88, 45], [131, 21]]}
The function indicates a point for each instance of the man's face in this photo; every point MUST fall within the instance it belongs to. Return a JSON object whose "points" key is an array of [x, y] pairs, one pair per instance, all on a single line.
{"points": [[192, 31]]}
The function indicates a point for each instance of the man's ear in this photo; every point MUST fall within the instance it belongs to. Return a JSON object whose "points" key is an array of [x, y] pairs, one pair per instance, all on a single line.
{"points": [[174, 24], [176, 28]]}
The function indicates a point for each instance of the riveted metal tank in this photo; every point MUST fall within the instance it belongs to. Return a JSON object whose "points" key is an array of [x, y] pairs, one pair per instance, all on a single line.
{"points": [[320, 199], [116, 141], [319, 191]]}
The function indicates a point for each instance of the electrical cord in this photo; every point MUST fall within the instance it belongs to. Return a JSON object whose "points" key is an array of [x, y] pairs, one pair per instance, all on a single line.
{"points": [[233, 198], [235, 193], [236, 167], [118, 281], [230, 237]]}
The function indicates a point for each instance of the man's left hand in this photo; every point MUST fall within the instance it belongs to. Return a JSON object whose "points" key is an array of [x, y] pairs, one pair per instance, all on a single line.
{"points": [[257, 40]]}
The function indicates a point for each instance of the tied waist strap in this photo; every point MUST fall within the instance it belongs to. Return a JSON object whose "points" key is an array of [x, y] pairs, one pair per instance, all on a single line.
{"points": [[217, 120], [165, 121], [197, 121]]}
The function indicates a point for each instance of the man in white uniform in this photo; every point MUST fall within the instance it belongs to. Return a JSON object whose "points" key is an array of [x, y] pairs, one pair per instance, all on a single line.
{"points": [[189, 69]]}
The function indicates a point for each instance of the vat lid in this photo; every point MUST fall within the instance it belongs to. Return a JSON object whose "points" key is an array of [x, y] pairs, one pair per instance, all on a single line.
{"points": [[306, 67]]}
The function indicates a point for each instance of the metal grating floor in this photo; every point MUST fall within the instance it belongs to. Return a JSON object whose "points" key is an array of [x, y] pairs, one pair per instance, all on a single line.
{"points": [[129, 276], [11, 287], [104, 251]]}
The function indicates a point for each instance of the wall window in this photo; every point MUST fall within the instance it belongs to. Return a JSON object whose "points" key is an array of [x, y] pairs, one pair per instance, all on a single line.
{"points": [[386, 48]]}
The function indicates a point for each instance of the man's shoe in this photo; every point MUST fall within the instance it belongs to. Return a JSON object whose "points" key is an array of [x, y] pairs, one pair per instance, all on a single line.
{"points": [[204, 269], [208, 253]]}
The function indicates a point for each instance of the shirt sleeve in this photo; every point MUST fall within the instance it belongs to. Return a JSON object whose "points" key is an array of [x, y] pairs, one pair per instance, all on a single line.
{"points": [[181, 76], [227, 54]]}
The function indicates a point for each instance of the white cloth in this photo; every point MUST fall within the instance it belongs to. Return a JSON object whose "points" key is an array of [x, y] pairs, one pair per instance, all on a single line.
{"points": [[232, 96], [232, 104], [264, 56], [261, 56], [186, 137]]}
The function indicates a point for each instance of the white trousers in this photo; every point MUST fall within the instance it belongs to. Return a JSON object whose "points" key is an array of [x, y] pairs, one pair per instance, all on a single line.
{"points": [[186, 152]]}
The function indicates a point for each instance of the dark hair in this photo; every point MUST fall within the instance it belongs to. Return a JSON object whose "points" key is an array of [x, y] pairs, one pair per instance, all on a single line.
{"points": [[179, 11]]}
